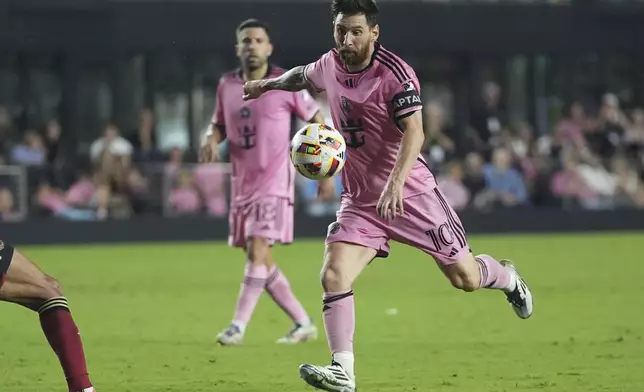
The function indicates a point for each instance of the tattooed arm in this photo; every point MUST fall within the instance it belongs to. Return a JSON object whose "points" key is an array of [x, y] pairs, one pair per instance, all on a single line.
{"points": [[292, 80]]}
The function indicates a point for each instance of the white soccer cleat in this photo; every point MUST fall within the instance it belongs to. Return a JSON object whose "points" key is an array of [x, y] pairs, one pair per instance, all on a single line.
{"points": [[230, 336], [521, 297], [299, 334], [328, 378]]}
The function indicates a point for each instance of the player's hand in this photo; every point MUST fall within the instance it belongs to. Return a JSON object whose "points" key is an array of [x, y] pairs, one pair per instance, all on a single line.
{"points": [[253, 89], [390, 203], [209, 152]]}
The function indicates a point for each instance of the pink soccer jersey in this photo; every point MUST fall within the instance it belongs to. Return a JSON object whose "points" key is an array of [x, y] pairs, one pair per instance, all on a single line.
{"points": [[259, 133], [365, 107]]}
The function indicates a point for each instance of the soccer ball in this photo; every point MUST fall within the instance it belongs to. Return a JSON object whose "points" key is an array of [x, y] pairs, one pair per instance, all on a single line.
{"points": [[318, 151]]}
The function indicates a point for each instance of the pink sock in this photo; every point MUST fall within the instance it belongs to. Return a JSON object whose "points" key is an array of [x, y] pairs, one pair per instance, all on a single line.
{"points": [[493, 274], [251, 289], [280, 290], [339, 320]]}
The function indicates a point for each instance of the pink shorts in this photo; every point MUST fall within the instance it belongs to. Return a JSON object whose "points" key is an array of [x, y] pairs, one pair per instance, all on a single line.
{"points": [[429, 224], [269, 217]]}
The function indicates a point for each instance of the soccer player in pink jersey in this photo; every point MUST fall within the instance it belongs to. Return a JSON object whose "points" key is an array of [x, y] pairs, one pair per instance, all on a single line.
{"points": [[262, 182], [389, 192]]}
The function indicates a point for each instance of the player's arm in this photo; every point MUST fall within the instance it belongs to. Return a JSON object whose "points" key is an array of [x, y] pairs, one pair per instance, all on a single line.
{"points": [[293, 80], [412, 143], [407, 115], [216, 132]]}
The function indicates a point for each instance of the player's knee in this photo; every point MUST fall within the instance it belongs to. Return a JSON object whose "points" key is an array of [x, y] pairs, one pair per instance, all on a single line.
{"points": [[51, 288], [258, 250], [463, 282], [333, 280]]}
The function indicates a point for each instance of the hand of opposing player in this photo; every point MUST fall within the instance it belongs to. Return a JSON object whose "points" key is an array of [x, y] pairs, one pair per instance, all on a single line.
{"points": [[253, 89], [209, 152], [390, 203]]}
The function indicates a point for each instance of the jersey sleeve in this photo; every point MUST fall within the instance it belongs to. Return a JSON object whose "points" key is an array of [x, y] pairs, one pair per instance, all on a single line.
{"points": [[314, 73], [404, 95], [218, 115], [304, 105]]}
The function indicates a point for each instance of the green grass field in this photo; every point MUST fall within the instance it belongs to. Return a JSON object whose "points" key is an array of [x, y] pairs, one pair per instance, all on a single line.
{"points": [[148, 315]]}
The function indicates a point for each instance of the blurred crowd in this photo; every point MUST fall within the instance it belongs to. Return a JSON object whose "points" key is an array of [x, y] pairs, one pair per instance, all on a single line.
{"points": [[121, 174], [591, 158]]}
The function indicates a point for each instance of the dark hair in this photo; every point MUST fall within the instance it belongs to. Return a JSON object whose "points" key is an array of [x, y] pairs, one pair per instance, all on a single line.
{"points": [[253, 23], [352, 7]]}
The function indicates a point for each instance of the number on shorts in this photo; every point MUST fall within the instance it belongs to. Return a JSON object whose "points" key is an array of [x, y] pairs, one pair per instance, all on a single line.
{"points": [[441, 236], [265, 212]]}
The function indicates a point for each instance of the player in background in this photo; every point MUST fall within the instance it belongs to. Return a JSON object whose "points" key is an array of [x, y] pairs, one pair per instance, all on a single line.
{"points": [[23, 283], [389, 191], [262, 182]]}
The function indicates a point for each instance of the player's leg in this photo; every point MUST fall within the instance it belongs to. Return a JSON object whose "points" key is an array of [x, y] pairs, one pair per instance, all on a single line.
{"points": [[352, 242], [279, 288], [256, 227], [254, 277], [435, 227], [27, 285]]}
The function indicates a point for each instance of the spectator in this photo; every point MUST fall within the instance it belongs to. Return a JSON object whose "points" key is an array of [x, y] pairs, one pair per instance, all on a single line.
{"points": [[451, 184], [473, 179], [612, 124], [568, 185], [7, 210], [600, 181], [634, 136], [318, 204], [185, 199], [438, 146], [488, 119], [54, 201], [571, 130], [210, 180], [111, 142], [503, 183], [628, 190], [143, 139], [31, 152]]}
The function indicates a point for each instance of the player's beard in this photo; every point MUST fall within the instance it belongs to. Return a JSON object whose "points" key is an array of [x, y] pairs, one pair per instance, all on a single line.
{"points": [[353, 57], [252, 63]]}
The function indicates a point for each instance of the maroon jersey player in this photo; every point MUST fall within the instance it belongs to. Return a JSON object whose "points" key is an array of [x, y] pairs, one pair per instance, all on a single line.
{"points": [[389, 191], [262, 180], [23, 283]]}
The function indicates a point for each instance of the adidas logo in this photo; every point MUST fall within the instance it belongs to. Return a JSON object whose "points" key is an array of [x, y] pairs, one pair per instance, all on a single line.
{"points": [[453, 252]]}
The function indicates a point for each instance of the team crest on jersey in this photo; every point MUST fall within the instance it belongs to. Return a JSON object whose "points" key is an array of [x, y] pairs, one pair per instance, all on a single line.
{"points": [[245, 112], [409, 86], [334, 228], [344, 103]]}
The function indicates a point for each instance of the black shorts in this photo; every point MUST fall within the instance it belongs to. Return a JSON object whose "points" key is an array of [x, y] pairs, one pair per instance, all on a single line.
{"points": [[6, 254]]}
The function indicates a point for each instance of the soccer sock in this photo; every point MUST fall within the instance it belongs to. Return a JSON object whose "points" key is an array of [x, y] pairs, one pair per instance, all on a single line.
{"points": [[280, 290], [64, 338], [251, 289], [494, 275], [339, 323]]}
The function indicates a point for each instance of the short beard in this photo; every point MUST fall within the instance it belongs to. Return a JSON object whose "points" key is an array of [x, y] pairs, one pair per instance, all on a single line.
{"points": [[248, 66], [353, 58]]}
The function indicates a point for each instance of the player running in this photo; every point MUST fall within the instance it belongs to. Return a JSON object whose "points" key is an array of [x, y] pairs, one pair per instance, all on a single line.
{"points": [[389, 192], [262, 183], [23, 283]]}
